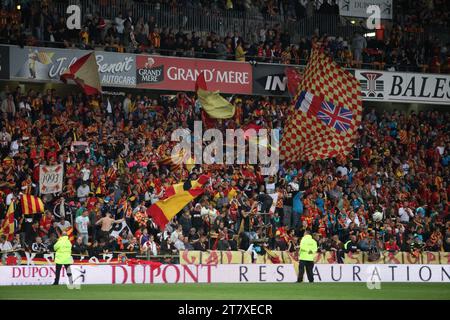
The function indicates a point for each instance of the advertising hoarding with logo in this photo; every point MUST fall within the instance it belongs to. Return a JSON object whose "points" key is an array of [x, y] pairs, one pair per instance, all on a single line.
{"points": [[47, 64], [224, 273], [357, 8], [180, 74], [383, 86], [270, 79], [404, 87]]}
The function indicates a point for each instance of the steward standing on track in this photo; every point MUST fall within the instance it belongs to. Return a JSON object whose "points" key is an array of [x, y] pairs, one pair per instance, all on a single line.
{"points": [[63, 257], [308, 250]]}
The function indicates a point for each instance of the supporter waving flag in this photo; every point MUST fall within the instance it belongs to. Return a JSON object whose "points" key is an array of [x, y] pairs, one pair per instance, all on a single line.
{"points": [[164, 210], [215, 106], [85, 73], [325, 115]]}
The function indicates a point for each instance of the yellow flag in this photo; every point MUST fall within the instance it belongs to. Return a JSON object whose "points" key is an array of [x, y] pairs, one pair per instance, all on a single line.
{"points": [[215, 105]]}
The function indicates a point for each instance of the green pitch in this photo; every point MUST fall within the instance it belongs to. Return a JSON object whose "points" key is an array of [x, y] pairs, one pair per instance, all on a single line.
{"points": [[292, 291]]}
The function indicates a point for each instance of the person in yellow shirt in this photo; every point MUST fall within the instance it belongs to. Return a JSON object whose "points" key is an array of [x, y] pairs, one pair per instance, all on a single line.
{"points": [[63, 257], [239, 52], [308, 250]]}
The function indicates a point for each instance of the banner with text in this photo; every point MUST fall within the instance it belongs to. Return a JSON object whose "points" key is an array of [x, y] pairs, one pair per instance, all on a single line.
{"points": [[51, 178], [404, 87], [180, 74]]}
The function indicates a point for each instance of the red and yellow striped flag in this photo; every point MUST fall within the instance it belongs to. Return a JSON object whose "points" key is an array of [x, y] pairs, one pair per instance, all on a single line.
{"points": [[164, 210], [7, 227], [31, 204], [175, 162]]}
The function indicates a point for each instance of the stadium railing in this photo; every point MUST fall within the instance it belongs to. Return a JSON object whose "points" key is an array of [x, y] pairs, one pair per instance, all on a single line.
{"points": [[228, 57], [239, 257], [207, 20]]}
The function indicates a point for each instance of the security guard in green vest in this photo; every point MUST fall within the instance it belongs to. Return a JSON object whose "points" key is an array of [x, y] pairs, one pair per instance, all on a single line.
{"points": [[63, 257], [308, 250]]}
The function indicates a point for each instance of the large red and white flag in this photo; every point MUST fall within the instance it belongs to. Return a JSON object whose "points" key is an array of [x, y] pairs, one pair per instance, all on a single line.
{"points": [[85, 73], [325, 115]]}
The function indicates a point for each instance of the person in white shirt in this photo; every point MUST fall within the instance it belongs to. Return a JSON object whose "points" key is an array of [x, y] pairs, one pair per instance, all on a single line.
{"points": [[352, 218], [209, 211], [85, 173], [405, 213], [8, 106], [5, 246], [127, 105], [179, 243], [14, 149], [176, 234], [83, 191], [5, 138], [150, 246], [24, 105], [270, 185], [119, 22], [63, 224], [82, 224], [405, 168]]}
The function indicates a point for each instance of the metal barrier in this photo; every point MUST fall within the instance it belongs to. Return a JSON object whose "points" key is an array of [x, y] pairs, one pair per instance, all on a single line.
{"points": [[222, 22]]}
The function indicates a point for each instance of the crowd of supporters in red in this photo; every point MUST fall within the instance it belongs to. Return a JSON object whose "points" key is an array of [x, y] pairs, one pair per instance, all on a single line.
{"points": [[399, 167]]}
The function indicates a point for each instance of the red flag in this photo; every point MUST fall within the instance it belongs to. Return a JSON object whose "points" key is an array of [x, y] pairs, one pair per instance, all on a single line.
{"points": [[326, 113], [201, 84], [294, 77], [85, 73], [208, 121]]}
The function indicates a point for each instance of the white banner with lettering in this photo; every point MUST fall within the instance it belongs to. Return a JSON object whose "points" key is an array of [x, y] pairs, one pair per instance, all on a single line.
{"points": [[51, 179], [404, 87], [358, 8], [224, 273]]}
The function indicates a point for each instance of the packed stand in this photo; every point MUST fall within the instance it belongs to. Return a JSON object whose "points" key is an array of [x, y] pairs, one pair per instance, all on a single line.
{"points": [[112, 155]]}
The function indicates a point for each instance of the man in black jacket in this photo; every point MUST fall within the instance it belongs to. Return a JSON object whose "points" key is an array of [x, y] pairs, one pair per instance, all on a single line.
{"points": [[79, 248]]}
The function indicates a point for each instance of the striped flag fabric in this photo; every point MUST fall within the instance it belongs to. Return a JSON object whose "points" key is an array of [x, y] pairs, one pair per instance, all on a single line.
{"points": [[177, 197], [7, 227], [85, 74], [175, 162], [31, 204], [325, 115]]}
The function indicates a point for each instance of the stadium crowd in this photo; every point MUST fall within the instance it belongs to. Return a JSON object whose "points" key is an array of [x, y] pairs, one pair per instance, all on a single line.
{"points": [[390, 194], [402, 47]]}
